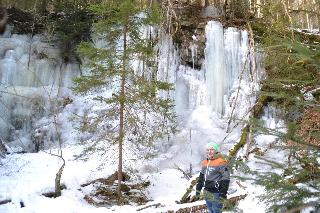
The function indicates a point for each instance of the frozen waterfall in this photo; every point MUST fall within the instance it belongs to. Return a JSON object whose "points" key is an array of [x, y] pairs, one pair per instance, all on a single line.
{"points": [[34, 80], [32, 75], [215, 71], [223, 90], [226, 58], [30, 62]]}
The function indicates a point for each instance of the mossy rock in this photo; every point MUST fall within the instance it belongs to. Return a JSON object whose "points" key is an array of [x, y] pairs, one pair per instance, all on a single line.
{"points": [[24, 22]]}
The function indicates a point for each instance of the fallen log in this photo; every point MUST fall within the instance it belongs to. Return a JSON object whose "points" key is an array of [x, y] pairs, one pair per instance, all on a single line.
{"points": [[198, 209], [203, 207], [2, 202]]}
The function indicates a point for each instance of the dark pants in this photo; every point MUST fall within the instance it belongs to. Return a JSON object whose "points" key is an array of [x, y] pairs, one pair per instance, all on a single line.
{"points": [[213, 201]]}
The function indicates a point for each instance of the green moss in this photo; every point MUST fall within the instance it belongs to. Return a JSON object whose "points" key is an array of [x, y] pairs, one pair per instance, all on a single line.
{"points": [[240, 144], [258, 28]]}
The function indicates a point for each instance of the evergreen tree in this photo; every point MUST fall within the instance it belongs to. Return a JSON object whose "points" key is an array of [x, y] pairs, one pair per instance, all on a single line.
{"points": [[125, 65], [292, 83]]}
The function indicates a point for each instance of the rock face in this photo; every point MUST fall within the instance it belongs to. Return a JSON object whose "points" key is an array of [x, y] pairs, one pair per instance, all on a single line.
{"points": [[188, 20], [211, 12], [22, 22]]}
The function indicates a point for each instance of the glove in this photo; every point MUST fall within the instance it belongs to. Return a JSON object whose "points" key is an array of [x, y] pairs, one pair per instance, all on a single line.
{"points": [[223, 195]]}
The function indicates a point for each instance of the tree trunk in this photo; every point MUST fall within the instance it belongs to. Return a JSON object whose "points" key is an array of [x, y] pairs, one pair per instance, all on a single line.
{"points": [[3, 19], [121, 113], [58, 178], [3, 149], [43, 6], [253, 7], [225, 6]]}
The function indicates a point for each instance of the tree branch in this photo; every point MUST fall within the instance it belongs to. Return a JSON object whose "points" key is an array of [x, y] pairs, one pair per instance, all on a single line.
{"points": [[304, 11], [303, 206]]}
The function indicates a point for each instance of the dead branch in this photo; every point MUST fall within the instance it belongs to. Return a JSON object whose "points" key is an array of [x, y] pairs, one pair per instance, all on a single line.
{"points": [[240, 185], [185, 174], [148, 206], [303, 11]]}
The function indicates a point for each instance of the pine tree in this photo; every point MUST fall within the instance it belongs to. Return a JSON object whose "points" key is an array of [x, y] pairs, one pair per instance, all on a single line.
{"points": [[141, 114], [292, 69]]}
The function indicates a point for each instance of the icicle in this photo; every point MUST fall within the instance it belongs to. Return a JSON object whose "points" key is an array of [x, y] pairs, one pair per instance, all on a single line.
{"points": [[227, 63], [215, 66], [193, 49], [232, 57], [168, 61]]}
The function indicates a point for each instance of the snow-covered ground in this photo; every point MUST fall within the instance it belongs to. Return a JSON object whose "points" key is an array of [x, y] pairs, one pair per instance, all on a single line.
{"points": [[24, 177]]}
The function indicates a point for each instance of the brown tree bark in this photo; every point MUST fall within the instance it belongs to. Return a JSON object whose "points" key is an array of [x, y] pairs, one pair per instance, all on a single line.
{"points": [[3, 149], [122, 110], [58, 179]]}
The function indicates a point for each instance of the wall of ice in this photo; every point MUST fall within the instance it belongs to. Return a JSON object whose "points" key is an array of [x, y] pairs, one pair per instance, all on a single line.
{"points": [[229, 65], [32, 77]]}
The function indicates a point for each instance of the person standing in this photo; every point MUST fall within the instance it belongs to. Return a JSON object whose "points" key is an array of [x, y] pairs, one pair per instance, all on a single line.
{"points": [[214, 177]]}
